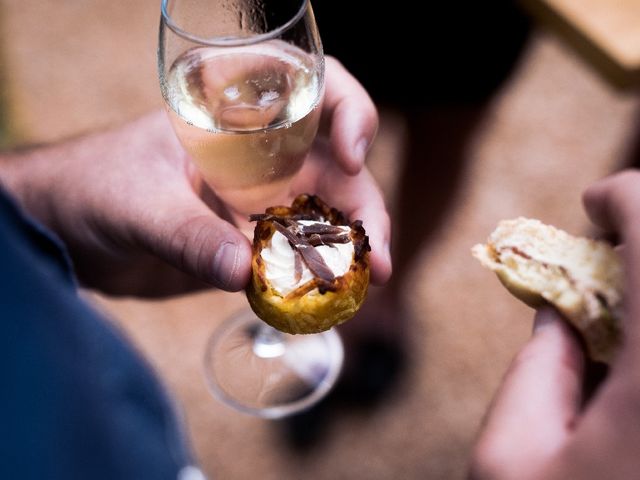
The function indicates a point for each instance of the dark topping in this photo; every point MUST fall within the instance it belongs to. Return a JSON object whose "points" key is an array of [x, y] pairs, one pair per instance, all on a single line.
{"points": [[328, 239], [602, 300], [314, 206], [310, 255], [303, 238], [297, 265], [360, 240], [259, 217], [315, 240], [322, 229], [317, 233], [324, 286]]}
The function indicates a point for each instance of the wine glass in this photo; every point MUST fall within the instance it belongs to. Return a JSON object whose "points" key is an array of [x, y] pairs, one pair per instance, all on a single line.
{"points": [[243, 82]]}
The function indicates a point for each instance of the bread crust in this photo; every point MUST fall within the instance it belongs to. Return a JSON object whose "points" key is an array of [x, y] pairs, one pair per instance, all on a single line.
{"points": [[317, 305], [582, 278]]}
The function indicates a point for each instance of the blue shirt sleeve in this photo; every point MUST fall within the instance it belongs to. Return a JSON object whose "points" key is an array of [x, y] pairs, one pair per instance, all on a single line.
{"points": [[77, 402]]}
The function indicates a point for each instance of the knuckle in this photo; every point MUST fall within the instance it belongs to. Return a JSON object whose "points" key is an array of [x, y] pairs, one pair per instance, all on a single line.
{"points": [[526, 356], [612, 185], [332, 61], [625, 182], [628, 176]]}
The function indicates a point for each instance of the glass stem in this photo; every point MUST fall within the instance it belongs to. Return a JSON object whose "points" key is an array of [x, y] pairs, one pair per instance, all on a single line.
{"points": [[268, 342]]}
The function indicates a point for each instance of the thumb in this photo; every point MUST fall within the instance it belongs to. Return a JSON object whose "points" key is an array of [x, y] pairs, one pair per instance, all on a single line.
{"points": [[536, 406], [189, 236]]}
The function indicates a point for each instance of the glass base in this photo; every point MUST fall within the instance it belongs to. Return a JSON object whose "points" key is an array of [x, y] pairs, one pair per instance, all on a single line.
{"points": [[261, 371]]}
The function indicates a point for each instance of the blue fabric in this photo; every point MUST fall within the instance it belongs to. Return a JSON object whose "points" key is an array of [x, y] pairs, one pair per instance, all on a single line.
{"points": [[76, 401]]}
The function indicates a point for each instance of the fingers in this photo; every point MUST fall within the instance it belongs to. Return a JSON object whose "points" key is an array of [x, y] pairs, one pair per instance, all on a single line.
{"points": [[614, 204], [536, 406], [378, 224], [349, 116], [189, 236], [359, 198]]}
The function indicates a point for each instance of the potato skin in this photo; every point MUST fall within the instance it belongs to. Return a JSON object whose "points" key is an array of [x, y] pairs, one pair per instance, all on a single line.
{"points": [[315, 306]]}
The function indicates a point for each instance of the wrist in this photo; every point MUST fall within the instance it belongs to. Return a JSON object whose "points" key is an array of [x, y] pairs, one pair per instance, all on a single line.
{"points": [[23, 174], [12, 174]]}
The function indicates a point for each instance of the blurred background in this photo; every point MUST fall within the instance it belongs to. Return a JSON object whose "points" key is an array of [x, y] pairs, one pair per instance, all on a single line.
{"points": [[489, 110]]}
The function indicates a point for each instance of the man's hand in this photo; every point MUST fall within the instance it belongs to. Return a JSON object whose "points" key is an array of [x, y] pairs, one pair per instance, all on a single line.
{"points": [[539, 426], [136, 216]]}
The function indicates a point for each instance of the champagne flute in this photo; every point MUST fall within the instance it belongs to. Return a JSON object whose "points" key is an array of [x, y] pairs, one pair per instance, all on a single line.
{"points": [[243, 82]]}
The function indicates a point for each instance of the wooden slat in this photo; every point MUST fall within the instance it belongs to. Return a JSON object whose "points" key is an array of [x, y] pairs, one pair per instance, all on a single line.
{"points": [[605, 32]]}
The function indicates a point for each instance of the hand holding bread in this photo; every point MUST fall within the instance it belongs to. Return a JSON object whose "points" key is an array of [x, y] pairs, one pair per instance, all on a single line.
{"points": [[546, 401], [582, 278]]}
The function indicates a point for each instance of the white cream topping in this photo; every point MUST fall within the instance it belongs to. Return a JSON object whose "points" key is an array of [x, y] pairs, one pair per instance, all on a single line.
{"points": [[279, 260]]}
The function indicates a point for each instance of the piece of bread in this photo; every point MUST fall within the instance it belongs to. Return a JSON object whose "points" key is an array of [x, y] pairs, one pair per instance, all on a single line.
{"points": [[580, 277], [324, 300]]}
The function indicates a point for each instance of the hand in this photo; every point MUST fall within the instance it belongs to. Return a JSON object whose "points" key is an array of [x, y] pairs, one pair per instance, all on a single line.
{"points": [[335, 168], [135, 214], [539, 426]]}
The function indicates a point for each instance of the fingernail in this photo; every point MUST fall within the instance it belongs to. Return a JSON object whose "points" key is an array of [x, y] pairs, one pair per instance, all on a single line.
{"points": [[361, 149], [544, 317], [225, 264]]}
